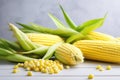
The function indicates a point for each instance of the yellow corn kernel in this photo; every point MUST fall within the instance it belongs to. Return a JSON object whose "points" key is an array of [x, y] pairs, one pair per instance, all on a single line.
{"points": [[60, 66], [108, 67], [67, 67], [56, 70], [90, 76], [29, 73], [101, 69], [28, 68], [50, 71], [15, 71], [37, 69], [98, 67], [21, 65], [16, 66], [44, 70]]}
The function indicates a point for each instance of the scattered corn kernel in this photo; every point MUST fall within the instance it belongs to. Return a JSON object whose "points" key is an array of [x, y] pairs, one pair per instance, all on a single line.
{"points": [[90, 76], [15, 70], [45, 66], [37, 69], [101, 69], [29, 73], [108, 67], [98, 67], [16, 66], [67, 67], [28, 68]]}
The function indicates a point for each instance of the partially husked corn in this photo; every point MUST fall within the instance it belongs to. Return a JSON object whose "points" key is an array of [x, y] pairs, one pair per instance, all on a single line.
{"points": [[99, 36], [44, 39], [107, 51], [45, 66]]}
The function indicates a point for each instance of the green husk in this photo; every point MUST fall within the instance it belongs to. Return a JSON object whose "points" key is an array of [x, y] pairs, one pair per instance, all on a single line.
{"points": [[86, 28], [39, 51], [39, 29], [51, 51], [67, 19], [9, 44], [22, 38], [10, 56]]}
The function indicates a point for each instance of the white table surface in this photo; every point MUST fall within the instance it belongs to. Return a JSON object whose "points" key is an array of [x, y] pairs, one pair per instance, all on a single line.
{"points": [[79, 72]]}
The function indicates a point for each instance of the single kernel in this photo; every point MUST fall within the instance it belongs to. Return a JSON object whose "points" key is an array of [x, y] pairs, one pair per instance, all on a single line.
{"points": [[90, 76], [15, 67], [15, 71], [67, 67], [101, 69], [36, 69], [98, 67], [28, 68], [108, 67], [29, 73]]}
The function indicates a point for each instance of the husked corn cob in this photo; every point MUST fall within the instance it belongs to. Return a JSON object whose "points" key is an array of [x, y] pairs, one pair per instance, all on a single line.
{"points": [[118, 38], [44, 39], [107, 51], [69, 54], [99, 36]]}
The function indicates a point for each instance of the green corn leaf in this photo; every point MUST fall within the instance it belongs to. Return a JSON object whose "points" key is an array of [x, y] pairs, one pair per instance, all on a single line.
{"points": [[22, 38], [10, 44], [88, 27], [25, 26], [67, 19], [39, 51], [28, 30], [51, 51], [4, 52], [87, 24], [17, 58], [58, 23], [90, 22]]}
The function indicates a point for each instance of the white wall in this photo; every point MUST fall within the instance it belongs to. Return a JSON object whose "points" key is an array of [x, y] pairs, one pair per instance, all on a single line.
{"points": [[80, 10]]}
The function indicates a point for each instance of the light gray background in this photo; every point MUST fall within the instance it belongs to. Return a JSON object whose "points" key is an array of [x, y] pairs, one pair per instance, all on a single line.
{"points": [[26, 11]]}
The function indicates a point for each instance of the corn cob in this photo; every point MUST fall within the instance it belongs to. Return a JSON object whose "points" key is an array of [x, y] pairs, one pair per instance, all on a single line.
{"points": [[107, 51], [118, 38], [69, 54], [44, 39], [99, 36]]}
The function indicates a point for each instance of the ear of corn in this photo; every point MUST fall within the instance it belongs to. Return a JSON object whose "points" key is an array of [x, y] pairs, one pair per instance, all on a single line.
{"points": [[68, 54], [44, 39], [23, 40], [118, 38], [107, 51], [99, 36]]}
